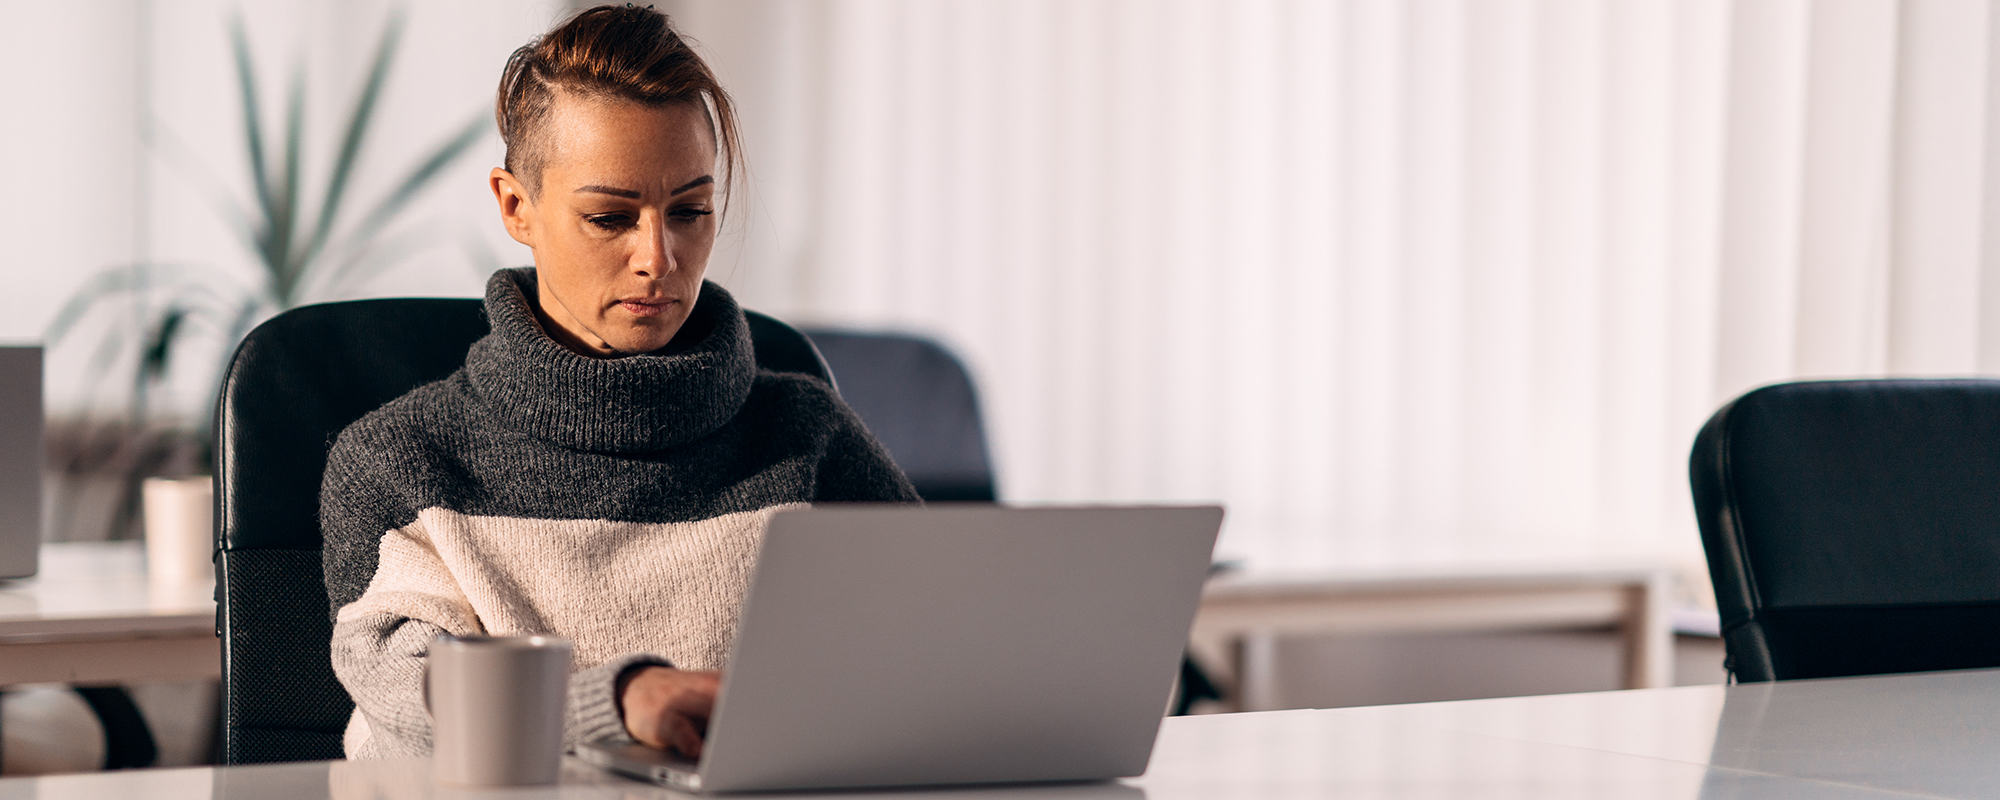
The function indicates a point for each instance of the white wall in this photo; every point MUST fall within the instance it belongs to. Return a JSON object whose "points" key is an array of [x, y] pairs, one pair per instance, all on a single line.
{"points": [[67, 127]]}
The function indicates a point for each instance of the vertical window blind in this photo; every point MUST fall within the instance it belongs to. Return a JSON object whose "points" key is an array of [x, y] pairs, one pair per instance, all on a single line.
{"points": [[1391, 278]]}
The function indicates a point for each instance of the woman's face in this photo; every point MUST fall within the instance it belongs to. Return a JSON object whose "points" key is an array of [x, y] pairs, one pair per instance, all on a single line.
{"points": [[623, 225]]}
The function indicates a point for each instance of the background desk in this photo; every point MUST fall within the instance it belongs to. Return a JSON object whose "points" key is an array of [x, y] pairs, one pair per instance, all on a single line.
{"points": [[1243, 614], [1932, 735], [90, 616]]}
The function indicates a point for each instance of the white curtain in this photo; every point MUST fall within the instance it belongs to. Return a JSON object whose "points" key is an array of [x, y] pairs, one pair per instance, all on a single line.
{"points": [[1392, 278]]}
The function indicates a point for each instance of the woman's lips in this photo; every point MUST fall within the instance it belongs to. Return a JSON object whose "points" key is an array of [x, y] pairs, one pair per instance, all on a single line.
{"points": [[646, 308]]}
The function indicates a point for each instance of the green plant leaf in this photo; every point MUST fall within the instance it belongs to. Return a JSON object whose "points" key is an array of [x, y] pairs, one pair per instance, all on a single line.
{"points": [[106, 352], [372, 257], [285, 217], [253, 127], [247, 314], [132, 279], [357, 129], [96, 289], [154, 357], [182, 158], [426, 171]]}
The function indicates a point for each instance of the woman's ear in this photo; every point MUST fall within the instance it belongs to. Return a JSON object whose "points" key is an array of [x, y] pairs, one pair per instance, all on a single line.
{"points": [[517, 211]]}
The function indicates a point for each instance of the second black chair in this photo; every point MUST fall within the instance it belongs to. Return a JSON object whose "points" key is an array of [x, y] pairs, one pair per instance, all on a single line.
{"points": [[920, 403], [1853, 527]]}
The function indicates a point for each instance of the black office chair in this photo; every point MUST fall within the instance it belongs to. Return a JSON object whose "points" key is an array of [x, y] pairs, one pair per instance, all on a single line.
{"points": [[919, 402], [294, 383], [1853, 527]]}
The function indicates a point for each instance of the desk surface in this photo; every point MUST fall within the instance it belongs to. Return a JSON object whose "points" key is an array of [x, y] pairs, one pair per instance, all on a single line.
{"points": [[86, 587], [91, 616], [1930, 735]]}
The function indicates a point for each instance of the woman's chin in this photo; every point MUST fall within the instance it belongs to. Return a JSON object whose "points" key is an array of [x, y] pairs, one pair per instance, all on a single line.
{"points": [[635, 334], [641, 339]]}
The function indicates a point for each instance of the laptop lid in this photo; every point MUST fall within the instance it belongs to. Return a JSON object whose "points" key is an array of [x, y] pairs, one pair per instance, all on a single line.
{"points": [[20, 460], [885, 646]]}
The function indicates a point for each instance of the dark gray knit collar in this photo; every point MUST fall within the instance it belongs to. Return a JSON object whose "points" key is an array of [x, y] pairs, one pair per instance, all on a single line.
{"points": [[621, 405]]}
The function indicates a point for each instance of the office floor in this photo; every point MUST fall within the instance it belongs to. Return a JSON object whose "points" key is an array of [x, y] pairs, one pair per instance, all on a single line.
{"points": [[47, 729]]}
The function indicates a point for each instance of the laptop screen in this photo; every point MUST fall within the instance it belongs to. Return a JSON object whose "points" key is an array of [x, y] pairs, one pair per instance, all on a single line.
{"points": [[20, 459]]}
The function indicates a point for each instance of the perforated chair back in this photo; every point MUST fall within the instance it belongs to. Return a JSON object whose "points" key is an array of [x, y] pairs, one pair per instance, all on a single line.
{"points": [[919, 401], [1853, 527], [295, 382]]}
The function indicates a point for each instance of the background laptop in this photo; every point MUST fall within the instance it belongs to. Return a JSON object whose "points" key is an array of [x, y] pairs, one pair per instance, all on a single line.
{"points": [[884, 646], [20, 460]]}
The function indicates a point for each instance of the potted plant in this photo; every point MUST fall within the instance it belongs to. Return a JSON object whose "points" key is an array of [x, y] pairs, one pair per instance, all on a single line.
{"points": [[160, 316]]}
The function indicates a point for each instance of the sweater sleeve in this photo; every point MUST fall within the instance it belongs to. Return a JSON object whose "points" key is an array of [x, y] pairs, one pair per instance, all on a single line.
{"points": [[856, 468], [408, 597], [390, 596]]}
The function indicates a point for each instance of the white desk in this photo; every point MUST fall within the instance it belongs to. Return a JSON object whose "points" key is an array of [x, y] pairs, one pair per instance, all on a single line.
{"points": [[1932, 735], [1243, 614], [90, 616]]}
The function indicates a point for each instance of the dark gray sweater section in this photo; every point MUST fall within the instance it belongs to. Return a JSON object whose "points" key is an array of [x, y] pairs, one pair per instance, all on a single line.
{"points": [[529, 429]]}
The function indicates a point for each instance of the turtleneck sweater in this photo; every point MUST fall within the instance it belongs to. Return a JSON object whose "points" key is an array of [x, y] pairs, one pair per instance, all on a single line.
{"points": [[617, 503]]}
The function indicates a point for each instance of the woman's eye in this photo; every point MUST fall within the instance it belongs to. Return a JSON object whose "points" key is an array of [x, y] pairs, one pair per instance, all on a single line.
{"points": [[610, 222], [689, 214]]}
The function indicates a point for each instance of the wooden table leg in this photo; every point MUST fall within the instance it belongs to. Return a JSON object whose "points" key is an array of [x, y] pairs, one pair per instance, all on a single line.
{"points": [[1256, 657], [1648, 634]]}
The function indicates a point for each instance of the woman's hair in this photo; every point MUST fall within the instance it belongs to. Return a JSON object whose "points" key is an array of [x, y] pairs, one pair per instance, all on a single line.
{"points": [[609, 53]]}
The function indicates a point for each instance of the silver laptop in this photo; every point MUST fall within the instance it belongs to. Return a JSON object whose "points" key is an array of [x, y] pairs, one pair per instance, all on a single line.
{"points": [[20, 460], [891, 646]]}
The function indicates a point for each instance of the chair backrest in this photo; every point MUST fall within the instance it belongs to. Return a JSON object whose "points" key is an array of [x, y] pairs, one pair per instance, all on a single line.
{"points": [[919, 401], [295, 382], [1853, 527]]}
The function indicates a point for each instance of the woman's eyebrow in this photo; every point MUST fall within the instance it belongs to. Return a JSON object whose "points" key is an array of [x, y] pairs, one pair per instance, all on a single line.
{"points": [[701, 181], [614, 192], [628, 193]]}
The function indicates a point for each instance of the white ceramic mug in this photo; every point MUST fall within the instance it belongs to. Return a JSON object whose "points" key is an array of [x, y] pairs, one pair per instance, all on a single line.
{"points": [[497, 705], [180, 531]]}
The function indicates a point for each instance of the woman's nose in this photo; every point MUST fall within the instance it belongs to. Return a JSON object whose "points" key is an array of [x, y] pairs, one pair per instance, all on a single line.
{"points": [[655, 256]]}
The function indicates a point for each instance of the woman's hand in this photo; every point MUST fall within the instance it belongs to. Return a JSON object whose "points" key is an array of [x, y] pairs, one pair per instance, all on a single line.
{"points": [[668, 707]]}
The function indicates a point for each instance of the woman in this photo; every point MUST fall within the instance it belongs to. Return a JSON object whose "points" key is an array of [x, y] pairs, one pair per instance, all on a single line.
{"points": [[603, 466]]}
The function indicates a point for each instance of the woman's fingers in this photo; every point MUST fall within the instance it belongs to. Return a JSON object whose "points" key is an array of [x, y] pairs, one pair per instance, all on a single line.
{"points": [[696, 698], [688, 712], [683, 735], [668, 708], [672, 731], [657, 735]]}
